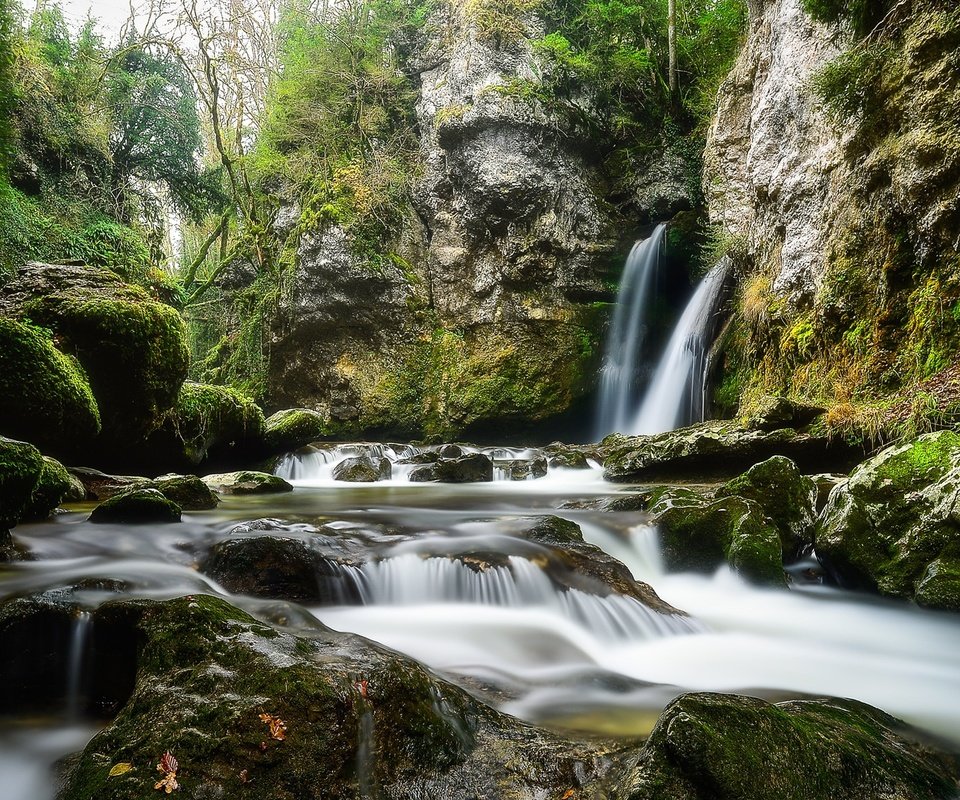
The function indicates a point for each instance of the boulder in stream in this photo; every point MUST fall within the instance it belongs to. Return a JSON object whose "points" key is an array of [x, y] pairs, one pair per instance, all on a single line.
{"points": [[363, 469], [31, 485], [293, 428], [136, 506], [187, 491], [246, 482], [893, 527], [471, 468], [786, 496]]}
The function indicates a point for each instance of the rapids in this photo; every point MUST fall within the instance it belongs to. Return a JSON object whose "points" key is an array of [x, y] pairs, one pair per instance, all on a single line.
{"points": [[569, 659]]}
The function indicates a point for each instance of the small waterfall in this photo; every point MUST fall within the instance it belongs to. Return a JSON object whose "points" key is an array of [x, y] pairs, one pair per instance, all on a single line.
{"points": [[677, 393], [618, 377], [79, 635], [412, 580]]}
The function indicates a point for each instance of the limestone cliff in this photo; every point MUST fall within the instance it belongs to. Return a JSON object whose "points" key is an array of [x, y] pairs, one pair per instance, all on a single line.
{"points": [[833, 165], [490, 313]]}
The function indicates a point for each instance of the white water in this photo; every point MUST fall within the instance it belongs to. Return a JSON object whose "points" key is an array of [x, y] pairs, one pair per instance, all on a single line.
{"points": [[628, 333], [677, 392], [79, 635]]}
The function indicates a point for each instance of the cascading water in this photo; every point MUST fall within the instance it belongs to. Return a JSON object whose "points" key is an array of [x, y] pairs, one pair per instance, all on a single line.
{"points": [[75, 663], [628, 333], [677, 392]]}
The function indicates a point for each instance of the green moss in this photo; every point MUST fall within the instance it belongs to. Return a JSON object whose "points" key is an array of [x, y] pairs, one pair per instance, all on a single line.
{"points": [[207, 417], [51, 488], [136, 506], [44, 395], [132, 348], [21, 467], [292, 428]]}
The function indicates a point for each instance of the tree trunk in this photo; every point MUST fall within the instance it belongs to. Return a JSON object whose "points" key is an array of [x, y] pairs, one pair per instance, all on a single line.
{"points": [[672, 44]]}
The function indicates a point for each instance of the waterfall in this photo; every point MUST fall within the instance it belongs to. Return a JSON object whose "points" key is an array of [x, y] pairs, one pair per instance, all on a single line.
{"points": [[677, 392], [618, 377], [79, 634]]}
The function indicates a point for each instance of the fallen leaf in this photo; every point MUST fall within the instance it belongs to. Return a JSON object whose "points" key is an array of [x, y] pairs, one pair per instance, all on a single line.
{"points": [[168, 767], [244, 777], [278, 728], [168, 783], [362, 686], [168, 763], [120, 769], [568, 794]]}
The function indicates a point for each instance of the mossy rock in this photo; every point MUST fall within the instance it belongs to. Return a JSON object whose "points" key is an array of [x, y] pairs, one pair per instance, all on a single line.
{"points": [[567, 459], [521, 469], [21, 468], [136, 506], [132, 348], [723, 746], [209, 422], [187, 491], [360, 721], [53, 487], [892, 527], [44, 395], [786, 496], [771, 413], [99, 485], [702, 535], [471, 468], [363, 469], [246, 482], [292, 429]]}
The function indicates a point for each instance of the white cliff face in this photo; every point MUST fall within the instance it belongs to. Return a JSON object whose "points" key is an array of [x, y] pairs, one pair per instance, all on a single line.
{"points": [[773, 164]]}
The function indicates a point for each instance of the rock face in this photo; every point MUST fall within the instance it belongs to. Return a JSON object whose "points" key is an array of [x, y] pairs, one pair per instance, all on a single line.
{"points": [[488, 317], [893, 526], [834, 162]]}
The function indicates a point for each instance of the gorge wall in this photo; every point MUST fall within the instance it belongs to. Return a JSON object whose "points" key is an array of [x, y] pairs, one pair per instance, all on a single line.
{"points": [[490, 313], [833, 166]]}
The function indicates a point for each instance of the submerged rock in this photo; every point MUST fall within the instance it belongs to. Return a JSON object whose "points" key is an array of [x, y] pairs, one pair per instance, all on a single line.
{"points": [[45, 397], [292, 429], [136, 506], [724, 746], [893, 526], [784, 494], [363, 469], [715, 449], [246, 482]]}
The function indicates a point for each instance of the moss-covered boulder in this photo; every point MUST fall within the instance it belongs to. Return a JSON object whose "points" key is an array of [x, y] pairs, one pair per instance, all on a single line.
{"points": [[717, 449], [248, 709], [700, 535], [187, 491], [246, 482], [132, 348], [893, 526], [567, 458], [213, 422], [44, 395], [136, 506], [471, 468], [101, 486], [363, 469], [786, 496], [771, 413], [522, 469], [292, 429], [723, 746], [52, 488], [21, 467]]}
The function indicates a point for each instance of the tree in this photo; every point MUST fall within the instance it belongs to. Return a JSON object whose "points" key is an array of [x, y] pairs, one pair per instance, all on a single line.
{"points": [[672, 44]]}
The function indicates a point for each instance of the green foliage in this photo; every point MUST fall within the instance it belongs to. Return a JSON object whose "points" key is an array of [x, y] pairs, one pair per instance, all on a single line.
{"points": [[862, 15], [7, 83], [207, 416], [850, 85]]}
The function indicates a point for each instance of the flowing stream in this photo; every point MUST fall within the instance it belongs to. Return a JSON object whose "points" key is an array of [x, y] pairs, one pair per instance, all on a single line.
{"points": [[504, 630]]}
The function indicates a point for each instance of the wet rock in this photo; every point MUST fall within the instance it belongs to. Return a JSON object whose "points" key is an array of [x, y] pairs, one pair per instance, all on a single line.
{"points": [[132, 349], [568, 459], [275, 566], [136, 506], [45, 397], [101, 486], [423, 457], [893, 526], [785, 495], [725, 746], [715, 449], [246, 482], [471, 468], [52, 488], [293, 428], [187, 491], [699, 536], [21, 466], [825, 483], [363, 469], [206, 673], [450, 451], [525, 469]]}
